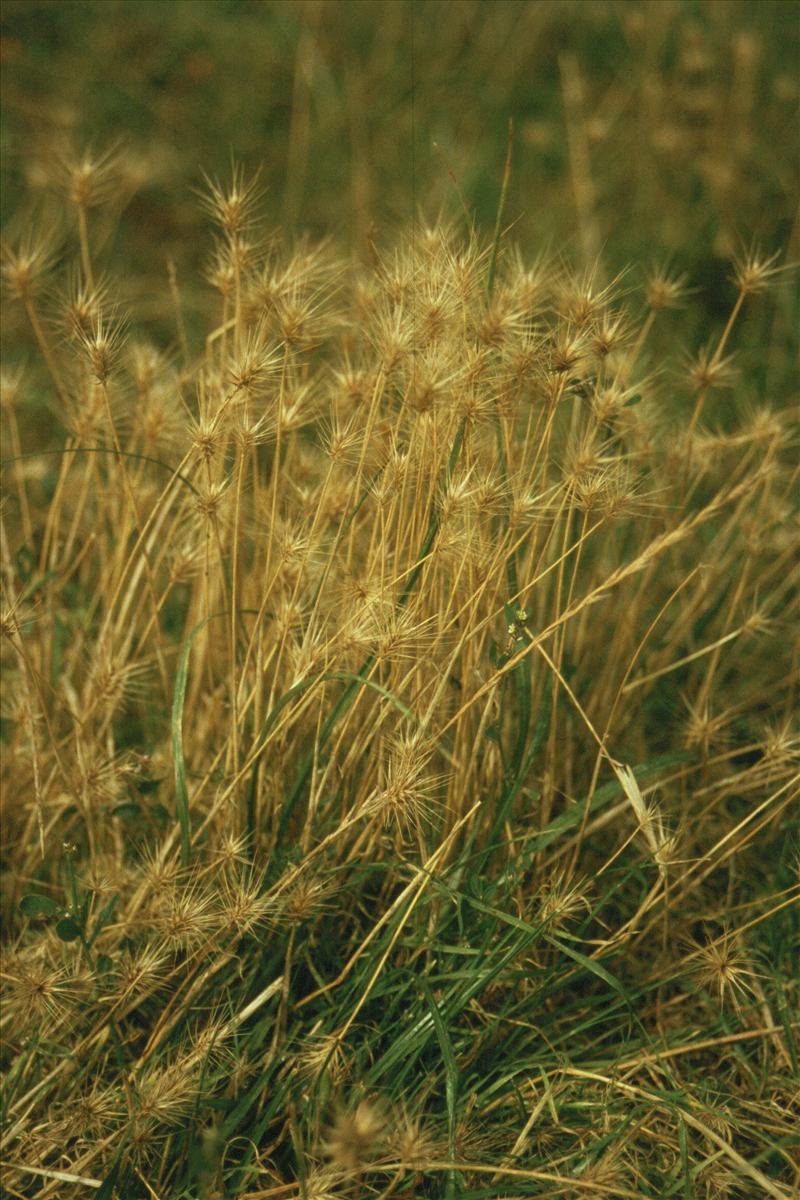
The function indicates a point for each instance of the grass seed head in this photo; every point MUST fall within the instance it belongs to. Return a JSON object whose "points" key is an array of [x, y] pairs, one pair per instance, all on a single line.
{"points": [[412, 1142], [102, 344], [707, 370], [754, 272], [137, 973], [26, 265], [563, 899], [322, 1052], [243, 905], [233, 205], [724, 969], [308, 897], [82, 305], [405, 796], [187, 914], [88, 178], [258, 361], [355, 1137], [663, 289]]}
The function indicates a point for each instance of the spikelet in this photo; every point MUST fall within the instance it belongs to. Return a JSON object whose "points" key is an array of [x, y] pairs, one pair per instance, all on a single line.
{"points": [[651, 823], [354, 1138]]}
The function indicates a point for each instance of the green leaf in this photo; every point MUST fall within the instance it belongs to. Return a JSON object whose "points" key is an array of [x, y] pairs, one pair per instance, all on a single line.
{"points": [[145, 786], [68, 930], [520, 772], [128, 810], [103, 964], [783, 1013], [451, 1074], [684, 1152], [103, 917], [108, 1188], [39, 906], [612, 790], [589, 964]]}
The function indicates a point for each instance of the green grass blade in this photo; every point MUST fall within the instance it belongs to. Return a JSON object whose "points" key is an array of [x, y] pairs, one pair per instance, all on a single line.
{"points": [[451, 1075]]}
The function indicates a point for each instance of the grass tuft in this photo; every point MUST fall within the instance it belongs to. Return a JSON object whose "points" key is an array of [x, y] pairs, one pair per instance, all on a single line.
{"points": [[401, 771]]}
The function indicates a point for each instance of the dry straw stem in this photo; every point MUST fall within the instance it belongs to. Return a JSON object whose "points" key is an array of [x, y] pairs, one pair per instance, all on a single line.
{"points": [[620, 575]]}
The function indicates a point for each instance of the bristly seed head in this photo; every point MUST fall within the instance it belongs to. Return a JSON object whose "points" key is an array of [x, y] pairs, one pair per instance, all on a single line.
{"points": [[723, 968], [25, 265], [88, 179], [664, 290], [233, 205], [354, 1138], [708, 370], [753, 272], [102, 342]]}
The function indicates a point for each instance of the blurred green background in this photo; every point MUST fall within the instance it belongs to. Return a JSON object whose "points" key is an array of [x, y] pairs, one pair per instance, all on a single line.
{"points": [[645, 131]]}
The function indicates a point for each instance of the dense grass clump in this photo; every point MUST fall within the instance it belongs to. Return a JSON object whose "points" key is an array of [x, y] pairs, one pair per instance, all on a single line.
{"points": [[400, 778], [400, 758]]}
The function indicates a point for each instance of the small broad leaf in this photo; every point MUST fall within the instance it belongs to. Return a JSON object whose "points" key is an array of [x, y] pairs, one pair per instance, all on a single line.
{"points": [[146, 786], [68, 930], [103, 918], [128, 810], [39, 906], [103, 964]]}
